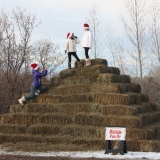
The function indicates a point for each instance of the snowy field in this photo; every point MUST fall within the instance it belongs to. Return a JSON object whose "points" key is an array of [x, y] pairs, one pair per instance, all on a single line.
{"points": [[88, 154]]}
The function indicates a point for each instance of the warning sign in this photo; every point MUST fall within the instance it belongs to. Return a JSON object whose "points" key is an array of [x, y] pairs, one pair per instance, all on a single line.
{"points": [[115, 133]]}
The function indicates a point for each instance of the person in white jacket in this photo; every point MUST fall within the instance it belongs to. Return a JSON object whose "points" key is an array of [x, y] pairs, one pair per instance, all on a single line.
{"points": [[70, 47], [87, 43]]}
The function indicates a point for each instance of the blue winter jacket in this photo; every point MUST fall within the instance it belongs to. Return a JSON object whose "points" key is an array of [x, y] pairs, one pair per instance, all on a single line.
{"points": [[37, 77]]}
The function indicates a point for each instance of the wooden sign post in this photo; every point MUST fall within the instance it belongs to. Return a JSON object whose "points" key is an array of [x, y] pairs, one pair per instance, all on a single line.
{"points": [[117, 134]]}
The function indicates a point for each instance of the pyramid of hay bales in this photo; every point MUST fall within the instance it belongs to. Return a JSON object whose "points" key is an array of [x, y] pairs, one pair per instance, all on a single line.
{"points": [[77, 107]]}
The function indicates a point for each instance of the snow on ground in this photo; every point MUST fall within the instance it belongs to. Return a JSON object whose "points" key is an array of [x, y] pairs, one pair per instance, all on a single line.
{"points": [[88, 154]]}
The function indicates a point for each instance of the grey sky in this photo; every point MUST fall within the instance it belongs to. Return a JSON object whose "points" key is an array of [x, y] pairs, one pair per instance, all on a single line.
{"points": [[62, 16]]}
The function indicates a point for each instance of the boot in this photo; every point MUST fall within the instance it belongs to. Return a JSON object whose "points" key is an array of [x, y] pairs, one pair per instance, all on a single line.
{"points": [[69, 66], [88, 62], [37, 92], [22, 100], [80, 64]]}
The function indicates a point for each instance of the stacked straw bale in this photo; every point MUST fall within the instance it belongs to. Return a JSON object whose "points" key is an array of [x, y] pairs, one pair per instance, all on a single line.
{"points": [[79, 104]]}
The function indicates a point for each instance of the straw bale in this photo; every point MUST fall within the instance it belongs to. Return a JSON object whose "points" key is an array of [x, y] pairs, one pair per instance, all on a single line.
{"points": [[115, 70], [138, 134], [133, 87], [122, 109], [46, 98], [83, 131], [150, 146], [110, 120], [65, 140], [77, 98], [158, 132], [55, 118], [151, 133], [141, 109], [96, 61], [40, 108], [155, 128], [55, 81], [133, 145], [67, 73], [92, 119], [97, 144], [65, 90], [1, 119], [77, 81], [108, 88], [54, 139], [21, 118], [19, 138], [113, 78], [120, 121], [65, 108], [74, 108], [117, 110], [92, 71], [144, 98], [13, 129], [44, 147], [82, 62], [149, 117], [113, 99], [44, 129], [155, 106], [149, 107], [15, 108], [57, 98]]}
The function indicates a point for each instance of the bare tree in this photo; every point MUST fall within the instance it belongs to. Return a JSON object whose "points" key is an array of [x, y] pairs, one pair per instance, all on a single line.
{"points": [[47, 53], [16, 31], [17, 51], [135, 27], [155, 30], [93, 19], [115, 47]]}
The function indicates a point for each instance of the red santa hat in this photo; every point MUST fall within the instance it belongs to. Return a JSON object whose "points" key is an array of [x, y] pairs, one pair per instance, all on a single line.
{"points": [[69, 34], [35, 66], [86, 26]]}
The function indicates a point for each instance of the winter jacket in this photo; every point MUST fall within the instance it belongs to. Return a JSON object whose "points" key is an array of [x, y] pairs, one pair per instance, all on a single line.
{"points": [[70, 45], [87, 39], [37, 77]]}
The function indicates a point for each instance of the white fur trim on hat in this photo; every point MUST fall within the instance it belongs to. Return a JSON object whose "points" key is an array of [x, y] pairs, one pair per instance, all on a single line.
{"points": [[36, 67], [86, 27]]}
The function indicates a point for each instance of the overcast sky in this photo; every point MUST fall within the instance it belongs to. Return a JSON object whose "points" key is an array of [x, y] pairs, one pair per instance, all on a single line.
{"points": [[62, 16]]}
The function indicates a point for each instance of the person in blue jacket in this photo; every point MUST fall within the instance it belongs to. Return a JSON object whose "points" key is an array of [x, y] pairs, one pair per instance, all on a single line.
{"points": [[36, 86]]}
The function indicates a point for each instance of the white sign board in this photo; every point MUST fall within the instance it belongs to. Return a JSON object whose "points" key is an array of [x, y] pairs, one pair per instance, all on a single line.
{"points": [[115, 133]]}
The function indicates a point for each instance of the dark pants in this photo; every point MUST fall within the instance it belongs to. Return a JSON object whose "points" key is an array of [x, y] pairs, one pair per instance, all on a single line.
{"points": [[86, 52], [33, 91], [73, 54]]}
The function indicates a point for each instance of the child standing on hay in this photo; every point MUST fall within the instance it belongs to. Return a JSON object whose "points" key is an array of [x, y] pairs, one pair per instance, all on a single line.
{"points": [[70, 47], [87, 43], [36, 86]]}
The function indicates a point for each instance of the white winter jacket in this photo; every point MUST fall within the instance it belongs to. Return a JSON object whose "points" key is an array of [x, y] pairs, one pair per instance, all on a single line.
{"points": [[70, 45], [87, 39]]}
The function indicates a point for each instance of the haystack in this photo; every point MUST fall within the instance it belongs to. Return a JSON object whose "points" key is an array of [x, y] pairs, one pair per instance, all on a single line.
{"points": [[79, 104]]}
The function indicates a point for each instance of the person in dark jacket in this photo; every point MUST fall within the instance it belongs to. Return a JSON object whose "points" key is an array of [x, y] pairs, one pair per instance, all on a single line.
{"points": [[36, 86]]}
